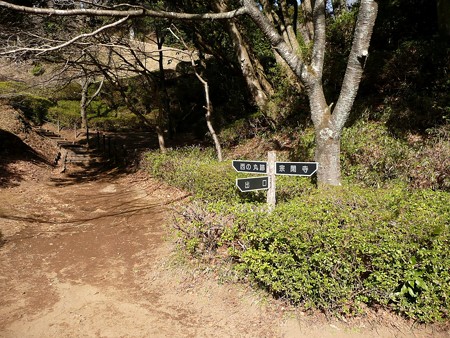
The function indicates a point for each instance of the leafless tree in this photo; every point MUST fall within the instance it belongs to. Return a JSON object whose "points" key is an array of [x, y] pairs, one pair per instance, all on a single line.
{"points": [[208, 105]]}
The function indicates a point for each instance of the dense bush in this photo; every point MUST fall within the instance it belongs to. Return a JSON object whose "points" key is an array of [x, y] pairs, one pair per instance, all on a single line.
{"points": [[377, 242], [34, 107], [66, 113], [195, 170], [415, 160], [338, 250]]}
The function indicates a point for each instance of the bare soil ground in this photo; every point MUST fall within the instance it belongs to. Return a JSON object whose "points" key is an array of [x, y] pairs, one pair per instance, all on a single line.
{"points": [[92, 260], [90, 256]]}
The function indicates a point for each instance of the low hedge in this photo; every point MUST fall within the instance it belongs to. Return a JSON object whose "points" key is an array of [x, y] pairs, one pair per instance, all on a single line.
{"points": [[196, 170], [34, 107], [337, 250]]}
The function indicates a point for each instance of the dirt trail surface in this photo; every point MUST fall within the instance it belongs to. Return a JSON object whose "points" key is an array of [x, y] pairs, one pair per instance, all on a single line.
{"points": [[90, 260], [85, 254]]}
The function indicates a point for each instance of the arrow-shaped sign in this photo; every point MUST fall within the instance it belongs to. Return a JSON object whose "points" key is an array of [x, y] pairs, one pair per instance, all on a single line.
{"points": [[296, 168], [258, 167], [253, 183]]}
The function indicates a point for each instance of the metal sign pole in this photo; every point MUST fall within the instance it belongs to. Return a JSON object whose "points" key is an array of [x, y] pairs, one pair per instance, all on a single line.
{"points": [[271, 196]]}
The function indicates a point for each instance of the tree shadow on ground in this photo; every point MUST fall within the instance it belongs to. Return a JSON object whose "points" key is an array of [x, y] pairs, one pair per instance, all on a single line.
{"points": [[83, 173], [13, 150], [2, 240]]}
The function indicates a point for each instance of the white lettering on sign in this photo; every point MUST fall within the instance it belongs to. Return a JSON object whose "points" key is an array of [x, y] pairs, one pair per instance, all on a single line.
{"points": [[305, 169], [262, 167], [264, 183], [242, 166], [248, 166], [255, 167], [293, 169], [247, 184], [282, 168]]}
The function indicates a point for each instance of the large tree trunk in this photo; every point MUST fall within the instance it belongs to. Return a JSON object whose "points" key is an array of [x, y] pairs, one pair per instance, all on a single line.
{"points": [[259, 87], [327, 139], [327, 154]]}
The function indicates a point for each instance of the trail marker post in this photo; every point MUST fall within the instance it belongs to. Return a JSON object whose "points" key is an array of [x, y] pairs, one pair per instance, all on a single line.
{"points": [[271, 168], [271, 195]]}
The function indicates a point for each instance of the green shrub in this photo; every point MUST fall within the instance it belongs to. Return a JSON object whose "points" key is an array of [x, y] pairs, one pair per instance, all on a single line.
{"points": [[66, 112], [389, 158], [98, 108], [7, 87], [339, 249], [119, 123], [70, 92], [37, 69], [195, 170], [34, 107]]}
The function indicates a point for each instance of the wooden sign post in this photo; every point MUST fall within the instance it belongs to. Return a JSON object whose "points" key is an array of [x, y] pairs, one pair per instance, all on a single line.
{"points": [[271, 168], [271, 198]]}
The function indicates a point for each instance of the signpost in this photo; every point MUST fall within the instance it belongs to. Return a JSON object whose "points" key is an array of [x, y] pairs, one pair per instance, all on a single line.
{"points": [[253, 183], [259, 167], [296, 168], [271, 168]]}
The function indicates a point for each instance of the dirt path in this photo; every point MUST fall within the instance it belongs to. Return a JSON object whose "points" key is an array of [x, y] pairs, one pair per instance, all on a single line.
{"points": [[90, 260]]}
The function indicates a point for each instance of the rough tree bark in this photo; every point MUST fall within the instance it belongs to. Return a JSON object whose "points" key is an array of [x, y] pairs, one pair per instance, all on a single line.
{"points": [[258, 86], [328, 123]]}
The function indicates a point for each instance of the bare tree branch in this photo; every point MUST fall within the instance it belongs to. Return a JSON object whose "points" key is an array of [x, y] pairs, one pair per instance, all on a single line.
{"points": [[208, 106], [96, 92], [135, 12], [42, 50]]}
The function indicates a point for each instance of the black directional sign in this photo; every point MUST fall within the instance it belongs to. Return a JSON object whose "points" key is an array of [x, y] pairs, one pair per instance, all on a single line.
{"points": [[258, 167], [253, 183], [296, 168]]}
